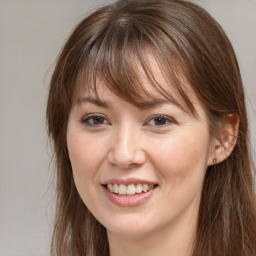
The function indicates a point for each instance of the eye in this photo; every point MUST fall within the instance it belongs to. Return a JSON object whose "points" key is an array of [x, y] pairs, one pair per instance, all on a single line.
{"points": [[160, 120], [94, 120]]}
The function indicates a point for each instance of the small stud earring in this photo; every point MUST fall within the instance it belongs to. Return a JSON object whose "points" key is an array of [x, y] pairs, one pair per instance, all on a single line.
{"points": [[214, 160]]}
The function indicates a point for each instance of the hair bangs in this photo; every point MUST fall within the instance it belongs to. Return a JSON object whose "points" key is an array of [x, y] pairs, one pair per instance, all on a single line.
{"points": [[125, 60]]}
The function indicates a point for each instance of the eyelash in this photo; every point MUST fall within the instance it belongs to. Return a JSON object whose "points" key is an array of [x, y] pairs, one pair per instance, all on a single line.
{"points": [[167, 120], [161, 118], [86, 120]]}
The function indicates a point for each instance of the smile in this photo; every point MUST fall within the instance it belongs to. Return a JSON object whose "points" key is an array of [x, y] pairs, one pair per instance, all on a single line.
{"points": [[130, 189]]}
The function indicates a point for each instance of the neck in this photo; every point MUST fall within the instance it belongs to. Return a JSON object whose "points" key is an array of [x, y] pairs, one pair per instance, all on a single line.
{"points": [[175, 240]]}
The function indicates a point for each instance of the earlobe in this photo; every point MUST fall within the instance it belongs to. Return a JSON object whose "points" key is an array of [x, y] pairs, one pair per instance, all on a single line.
{"points": [[224, 145]]}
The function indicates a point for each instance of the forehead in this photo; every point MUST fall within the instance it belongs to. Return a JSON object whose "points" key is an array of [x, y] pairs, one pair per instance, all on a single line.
{"points": [[140, 82]]}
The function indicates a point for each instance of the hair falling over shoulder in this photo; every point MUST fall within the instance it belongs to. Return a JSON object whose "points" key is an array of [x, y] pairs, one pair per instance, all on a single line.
{"points": [[184, 38]]}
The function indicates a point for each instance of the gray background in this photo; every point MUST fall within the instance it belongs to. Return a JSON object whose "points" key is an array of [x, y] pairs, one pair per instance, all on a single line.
{"points": [[31, 35]]}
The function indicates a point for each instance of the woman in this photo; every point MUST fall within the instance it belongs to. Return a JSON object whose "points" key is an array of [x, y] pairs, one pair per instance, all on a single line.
{"points": [[147, 114]]}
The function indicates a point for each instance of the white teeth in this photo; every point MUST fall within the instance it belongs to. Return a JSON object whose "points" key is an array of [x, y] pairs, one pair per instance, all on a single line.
{"points": [[110, 188], [138, 188], [145, 187], [122, 189], [116, 188], [130, 189]]}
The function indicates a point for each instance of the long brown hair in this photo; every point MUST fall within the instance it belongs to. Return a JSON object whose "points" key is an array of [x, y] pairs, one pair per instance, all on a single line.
{"points": [[187, 41]]}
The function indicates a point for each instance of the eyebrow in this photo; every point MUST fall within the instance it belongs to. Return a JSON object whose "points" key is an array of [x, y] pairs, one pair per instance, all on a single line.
{"points": [[157, 102], [94, 101], [143, 104]]}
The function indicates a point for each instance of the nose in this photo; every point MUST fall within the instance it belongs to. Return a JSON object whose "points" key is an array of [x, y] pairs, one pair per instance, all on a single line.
{"points": [[126, 148]]}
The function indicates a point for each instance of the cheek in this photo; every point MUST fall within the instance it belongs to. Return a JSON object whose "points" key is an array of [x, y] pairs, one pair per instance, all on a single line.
{"points": [[183, 158], [181, 166], [85, 157]]}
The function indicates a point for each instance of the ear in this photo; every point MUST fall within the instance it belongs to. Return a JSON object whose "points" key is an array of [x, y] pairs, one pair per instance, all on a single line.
{"points": [[226, 141]]}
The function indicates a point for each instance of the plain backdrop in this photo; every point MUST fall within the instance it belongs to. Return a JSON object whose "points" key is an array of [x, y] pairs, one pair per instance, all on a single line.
{"points": [[31, 34]]}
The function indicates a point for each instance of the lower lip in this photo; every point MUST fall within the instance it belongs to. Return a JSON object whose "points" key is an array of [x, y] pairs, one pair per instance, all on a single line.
{"points": [[128, 201]]}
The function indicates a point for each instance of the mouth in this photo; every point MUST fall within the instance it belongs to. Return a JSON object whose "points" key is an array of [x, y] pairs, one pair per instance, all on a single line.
{"points": [[130, 189]]}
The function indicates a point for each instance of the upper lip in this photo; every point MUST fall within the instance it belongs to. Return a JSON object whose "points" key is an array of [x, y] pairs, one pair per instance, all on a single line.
{"points": [[127, 181]]}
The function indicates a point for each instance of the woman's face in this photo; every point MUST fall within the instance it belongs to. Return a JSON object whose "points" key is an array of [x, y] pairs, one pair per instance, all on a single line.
{"points": [[139, 170]]}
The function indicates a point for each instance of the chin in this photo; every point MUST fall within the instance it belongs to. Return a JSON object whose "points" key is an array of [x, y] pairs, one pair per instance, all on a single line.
{"points": [[130, 228], [132, 233]]}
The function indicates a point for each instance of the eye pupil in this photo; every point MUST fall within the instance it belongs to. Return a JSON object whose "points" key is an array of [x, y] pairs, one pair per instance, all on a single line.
{"points": [[160, 120], [98, 120]]}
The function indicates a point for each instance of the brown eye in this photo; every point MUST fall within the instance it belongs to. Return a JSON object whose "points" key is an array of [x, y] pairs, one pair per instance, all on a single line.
{"points": [[160, 120], [97, 120], [94, 120]]}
